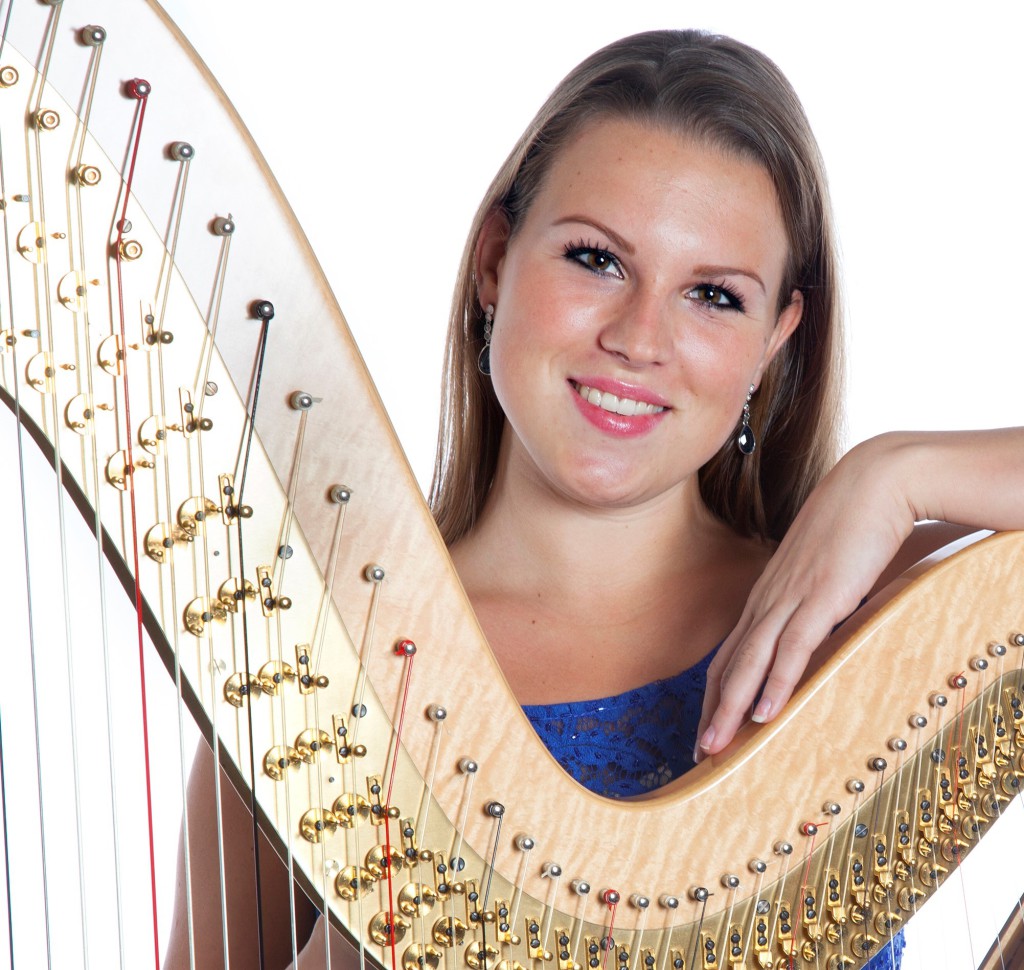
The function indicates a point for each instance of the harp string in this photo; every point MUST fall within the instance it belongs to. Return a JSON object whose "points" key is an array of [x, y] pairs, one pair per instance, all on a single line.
{"points": [[80, 309], [37, 203], [163, 290], [140, 90], [284, 553], [16, 384], [247, 666], [196, 477]]}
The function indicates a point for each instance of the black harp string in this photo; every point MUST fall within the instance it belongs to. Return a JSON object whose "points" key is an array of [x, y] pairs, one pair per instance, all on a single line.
{"points": [[265, 317]]}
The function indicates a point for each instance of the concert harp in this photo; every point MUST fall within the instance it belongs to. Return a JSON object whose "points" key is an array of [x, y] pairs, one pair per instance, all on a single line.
{"points": [[214, 456]]}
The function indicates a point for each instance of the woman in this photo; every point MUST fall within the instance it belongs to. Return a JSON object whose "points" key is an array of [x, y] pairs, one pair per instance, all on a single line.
{"points": [[642, 398]]}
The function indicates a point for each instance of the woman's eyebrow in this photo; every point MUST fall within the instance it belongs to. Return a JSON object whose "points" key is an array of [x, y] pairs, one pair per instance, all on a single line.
{"points": [[731, 271], [619, 241]]}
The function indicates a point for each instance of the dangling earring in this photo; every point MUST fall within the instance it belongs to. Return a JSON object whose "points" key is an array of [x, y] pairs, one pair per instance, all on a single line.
{"points": [[745, 441], [483, 362]]}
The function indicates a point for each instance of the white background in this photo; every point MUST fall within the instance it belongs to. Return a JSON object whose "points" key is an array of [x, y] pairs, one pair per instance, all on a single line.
{"points": [[385, 122]]}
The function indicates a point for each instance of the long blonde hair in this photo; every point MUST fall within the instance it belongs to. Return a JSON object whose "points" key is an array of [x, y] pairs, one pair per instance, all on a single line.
{"points": [[730, 96]]}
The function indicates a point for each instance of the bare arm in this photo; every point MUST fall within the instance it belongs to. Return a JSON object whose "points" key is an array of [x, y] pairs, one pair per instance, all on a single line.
{"points": [[856, 531], [239, 885]]}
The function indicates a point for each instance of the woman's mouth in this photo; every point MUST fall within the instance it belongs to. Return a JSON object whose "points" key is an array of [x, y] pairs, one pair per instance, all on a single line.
{"points": [[607, 401]]}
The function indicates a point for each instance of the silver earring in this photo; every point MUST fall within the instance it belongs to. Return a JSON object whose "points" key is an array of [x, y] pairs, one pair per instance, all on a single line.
{"points": [[483, 362], [745, 441]]}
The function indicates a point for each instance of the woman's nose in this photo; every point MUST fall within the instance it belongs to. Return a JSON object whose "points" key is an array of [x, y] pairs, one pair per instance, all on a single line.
{"points": [[638, 332]]}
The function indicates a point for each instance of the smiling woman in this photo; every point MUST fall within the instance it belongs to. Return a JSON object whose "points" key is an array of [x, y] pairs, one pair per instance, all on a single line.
{"points": [[661, 237], [642, 383]]}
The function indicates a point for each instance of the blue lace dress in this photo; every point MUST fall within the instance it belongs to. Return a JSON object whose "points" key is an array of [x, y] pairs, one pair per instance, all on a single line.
{"points": [[640, 740]]}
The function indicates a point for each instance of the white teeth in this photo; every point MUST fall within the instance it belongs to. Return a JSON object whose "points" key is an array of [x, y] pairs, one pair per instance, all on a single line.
{"points": [[616, 405]]}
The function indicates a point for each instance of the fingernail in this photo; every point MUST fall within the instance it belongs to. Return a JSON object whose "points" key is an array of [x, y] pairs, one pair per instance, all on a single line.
{"points": [[761, 712], [696, 753], [708, 739]]}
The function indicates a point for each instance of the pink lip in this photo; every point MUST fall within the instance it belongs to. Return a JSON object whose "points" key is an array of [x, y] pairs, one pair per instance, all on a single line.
{"points": [[619, 425], [621, 389]]}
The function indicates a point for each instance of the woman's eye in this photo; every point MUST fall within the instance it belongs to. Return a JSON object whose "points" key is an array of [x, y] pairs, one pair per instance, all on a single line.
{"points": [[598, 261], [716, 296]]}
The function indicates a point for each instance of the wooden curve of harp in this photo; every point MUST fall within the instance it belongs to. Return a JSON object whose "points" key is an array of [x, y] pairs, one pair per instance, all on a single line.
{"points": [[279, 573]]}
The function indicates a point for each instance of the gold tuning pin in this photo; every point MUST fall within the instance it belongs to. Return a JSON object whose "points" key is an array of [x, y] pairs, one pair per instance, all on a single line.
{"points": [[908, 897], [110, 354], [904, 838], [841, 962], [72, 291], [864, 944], [341, 746], [354, 882], [351, 809], [232, 592], [386, 929], [39, 373], [273, 674], [238, 687], [31, 242], [534, 944], [307, 682], [858, 880], [481, 956], [762, 941], [269, 601], [230, 510], [784, 931], [193, 513], [279, 759], [708, 947], [882, 867], [421, 956], [449, 931], [416, 899], [200, 613], [930, 872], [887, 922], [315, 822], [833, 898], [310, 742], [407, 828], [153, 434], [441, 885], [810, 914], [380, 861], [374, 789], [160, 540]]}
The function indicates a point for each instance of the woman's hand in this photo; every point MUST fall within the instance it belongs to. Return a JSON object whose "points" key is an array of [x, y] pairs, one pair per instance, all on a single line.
{"points": [[843, 544], [844, 537]]}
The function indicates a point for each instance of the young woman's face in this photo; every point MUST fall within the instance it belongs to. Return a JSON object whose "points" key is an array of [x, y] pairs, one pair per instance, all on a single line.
{"points": [[633, 309]]}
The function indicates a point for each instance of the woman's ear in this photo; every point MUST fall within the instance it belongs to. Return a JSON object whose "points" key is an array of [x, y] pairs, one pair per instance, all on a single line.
{"points": [[491, 245], [788, 321]]}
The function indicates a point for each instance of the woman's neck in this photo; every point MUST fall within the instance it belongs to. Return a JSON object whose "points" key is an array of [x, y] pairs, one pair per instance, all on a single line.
{"points": [[580, 602]]}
